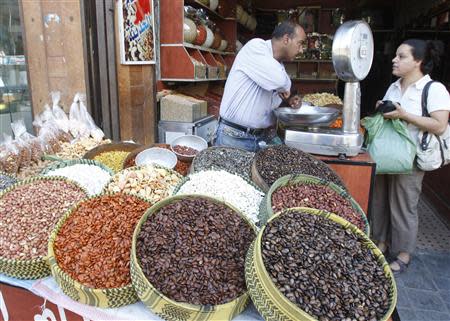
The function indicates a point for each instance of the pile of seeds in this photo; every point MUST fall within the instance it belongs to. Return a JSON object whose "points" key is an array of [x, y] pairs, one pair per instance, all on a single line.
{"points": [[113, 159], [185, 150], [6, 181], [228, 187], [79, 148], [324, 269], [193, 251], [150, 182], [316, 196], [92, 177], [277, 161], [232, 160], [29, 213], [93, 245]]}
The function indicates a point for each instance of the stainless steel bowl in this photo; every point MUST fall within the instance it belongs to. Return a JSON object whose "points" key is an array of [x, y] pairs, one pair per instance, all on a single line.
{"points": [[192, 141], [156, 155], [307, 115]]}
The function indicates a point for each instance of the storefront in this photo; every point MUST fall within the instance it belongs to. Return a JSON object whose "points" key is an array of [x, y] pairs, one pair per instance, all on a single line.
{"points": [[153, 93]]}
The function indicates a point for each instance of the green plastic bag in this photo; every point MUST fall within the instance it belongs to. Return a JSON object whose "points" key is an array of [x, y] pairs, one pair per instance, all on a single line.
{"points": [[389, 144]]}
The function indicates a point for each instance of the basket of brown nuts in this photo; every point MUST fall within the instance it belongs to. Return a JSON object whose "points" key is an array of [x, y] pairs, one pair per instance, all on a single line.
{"points": [[313, 192], [89, 249], [307, 265], [187, 259], [29, 211]]}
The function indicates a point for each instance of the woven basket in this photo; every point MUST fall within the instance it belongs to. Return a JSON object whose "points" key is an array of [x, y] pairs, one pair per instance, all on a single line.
{"points": [[194, 162], [115, 146], [102, 298], [52, 158], [187, 178], [169, 309], [68, 163], [34, 268], [266, 205], [269, 300]]}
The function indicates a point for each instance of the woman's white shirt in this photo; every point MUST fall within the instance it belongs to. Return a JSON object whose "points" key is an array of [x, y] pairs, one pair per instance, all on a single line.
{"points": [[411, 100]]}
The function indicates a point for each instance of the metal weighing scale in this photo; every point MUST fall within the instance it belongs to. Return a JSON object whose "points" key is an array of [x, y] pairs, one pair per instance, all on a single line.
{"points": [[352, 58]]}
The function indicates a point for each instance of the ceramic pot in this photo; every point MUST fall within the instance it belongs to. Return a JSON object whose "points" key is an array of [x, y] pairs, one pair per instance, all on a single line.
{"points": [[201, 35], [209, 38], [213, 4]]}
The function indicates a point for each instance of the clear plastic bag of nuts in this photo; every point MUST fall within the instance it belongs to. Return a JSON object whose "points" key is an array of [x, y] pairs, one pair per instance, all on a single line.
{"points": [[49, 137], [9, 156], [23, 141]]}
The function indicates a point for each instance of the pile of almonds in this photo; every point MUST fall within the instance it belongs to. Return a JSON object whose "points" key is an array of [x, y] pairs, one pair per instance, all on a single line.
{"points": [[29, 213], [93, 245], [150, 182]]}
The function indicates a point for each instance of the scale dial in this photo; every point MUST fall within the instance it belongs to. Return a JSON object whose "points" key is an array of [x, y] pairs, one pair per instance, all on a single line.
{"points": [[353, 51]]}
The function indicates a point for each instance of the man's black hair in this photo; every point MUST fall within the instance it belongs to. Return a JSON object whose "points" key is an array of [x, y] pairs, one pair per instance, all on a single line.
{"points": [[287, 27]]}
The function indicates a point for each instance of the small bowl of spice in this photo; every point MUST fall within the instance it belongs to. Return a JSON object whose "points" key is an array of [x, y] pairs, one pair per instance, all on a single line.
{"points": [[186, 147]]}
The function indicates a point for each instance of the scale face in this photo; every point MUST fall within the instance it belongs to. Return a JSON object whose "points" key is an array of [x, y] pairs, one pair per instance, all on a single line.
{"points": [[352, 51]]}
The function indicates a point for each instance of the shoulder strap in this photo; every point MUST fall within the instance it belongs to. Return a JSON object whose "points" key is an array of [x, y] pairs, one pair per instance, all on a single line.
{"points": [[424, 143], [425, 90]]}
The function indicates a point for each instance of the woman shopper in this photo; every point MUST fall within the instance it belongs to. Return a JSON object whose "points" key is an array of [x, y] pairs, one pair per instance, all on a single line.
{"points": [[395, 219]]}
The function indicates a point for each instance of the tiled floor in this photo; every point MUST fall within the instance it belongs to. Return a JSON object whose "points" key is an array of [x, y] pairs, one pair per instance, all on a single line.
{"points": [[424, 289]]}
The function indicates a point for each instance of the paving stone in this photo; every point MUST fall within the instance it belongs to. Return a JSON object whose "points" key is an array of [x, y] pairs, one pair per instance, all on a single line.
{"points": [[402, 298], [431, 315], [445, 295], [442, 283], [426, 300], [406, 314]]}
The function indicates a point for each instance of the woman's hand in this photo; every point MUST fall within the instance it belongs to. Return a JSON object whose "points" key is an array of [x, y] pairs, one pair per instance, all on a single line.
{"points": [[398, 113], [378, 103]]}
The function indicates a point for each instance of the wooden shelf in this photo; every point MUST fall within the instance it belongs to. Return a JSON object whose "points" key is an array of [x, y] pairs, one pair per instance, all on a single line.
{"points": [[314, 79], [314, 60], [199, 5], [189, 45]]}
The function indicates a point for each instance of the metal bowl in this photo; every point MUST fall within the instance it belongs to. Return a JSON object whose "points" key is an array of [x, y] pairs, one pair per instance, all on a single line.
{"points": [[307, 115], [158, 156], [192, 141]]}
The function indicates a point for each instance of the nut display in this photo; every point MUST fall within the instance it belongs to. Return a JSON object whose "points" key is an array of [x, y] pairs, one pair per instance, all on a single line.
{"points": [[326, 270], [232, 160], [150, 182], [113, 159], [185, 150], [193, 250], [227, 187], [29, 213], [322, 99], [79, 148], [94, 243], [275, 162], [315, 196], [34, 169], [93, 178]]}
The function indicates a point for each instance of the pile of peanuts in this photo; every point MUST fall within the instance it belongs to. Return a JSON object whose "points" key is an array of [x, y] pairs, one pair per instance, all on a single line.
{"points": [[79, 148], [29, 213], [150, 182], [93, 245]]}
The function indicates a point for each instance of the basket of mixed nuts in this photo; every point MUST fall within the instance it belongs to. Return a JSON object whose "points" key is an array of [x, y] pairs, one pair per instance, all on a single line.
{"points": [[187, 259], [152, 182], [313, 192], [307, 264], [30, 209], [89, 249]]}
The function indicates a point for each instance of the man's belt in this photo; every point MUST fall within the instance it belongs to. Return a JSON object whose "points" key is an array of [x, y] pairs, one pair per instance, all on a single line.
{"points": [[251, 131]]}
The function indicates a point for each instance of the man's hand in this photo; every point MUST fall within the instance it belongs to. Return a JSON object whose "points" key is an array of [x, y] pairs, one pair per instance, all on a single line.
{"points": [[284, 94]]}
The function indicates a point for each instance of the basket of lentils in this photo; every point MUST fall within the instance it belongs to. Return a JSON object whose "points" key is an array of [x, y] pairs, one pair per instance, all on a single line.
{"points": [[187, 260], [274, 162], [29, 211], [307, 264], [89, 249], [313, 192]]}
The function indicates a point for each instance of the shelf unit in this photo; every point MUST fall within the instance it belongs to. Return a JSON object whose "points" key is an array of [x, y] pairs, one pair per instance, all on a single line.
{"points": [[311, 70], [181, 61]]}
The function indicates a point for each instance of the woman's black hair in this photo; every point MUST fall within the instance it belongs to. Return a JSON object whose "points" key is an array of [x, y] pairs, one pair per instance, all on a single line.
{"points": [[427, 51]]}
